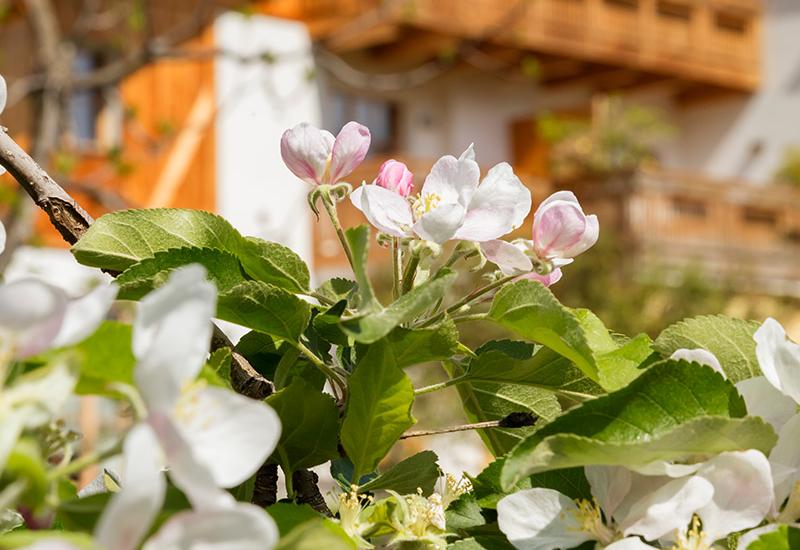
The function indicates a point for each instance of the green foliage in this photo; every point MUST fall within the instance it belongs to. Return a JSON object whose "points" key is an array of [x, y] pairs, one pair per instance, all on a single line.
{"points": [[314, 534], [730, 340], [422, 345], [105, 358], [310, 423], [415, 472], [785, 537], [265, 308], [378, 408], [674, 411], [358, 238]]}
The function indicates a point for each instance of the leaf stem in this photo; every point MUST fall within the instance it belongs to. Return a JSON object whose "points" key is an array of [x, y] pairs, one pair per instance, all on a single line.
{"points": [[397, 267], [329, 372], [330, 208], [83, 462], [410, 271], [440, 386], [474, 295]]}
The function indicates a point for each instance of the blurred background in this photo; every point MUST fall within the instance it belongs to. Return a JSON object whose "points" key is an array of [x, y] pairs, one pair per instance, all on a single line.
{"points": [[677, 122]]}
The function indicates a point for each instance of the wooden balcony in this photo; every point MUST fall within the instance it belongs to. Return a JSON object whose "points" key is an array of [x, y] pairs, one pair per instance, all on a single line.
{"points": [[710, 42]]}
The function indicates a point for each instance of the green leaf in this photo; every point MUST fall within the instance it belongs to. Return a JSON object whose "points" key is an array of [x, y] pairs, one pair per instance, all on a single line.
{"points": [[530, 309], [142, 277], [265, 308], [784, 537], [120, 239], [315, 534], [416, 472], [219, 362], [544, 369], [310, 426], [106, 358], [378, 408], [358, 238], [374, 326], [486, 485], [421, 345], [464, 513], [288, 515], [275, 264], [277, 360], [337, 289], [23, 538], [621, 366], [674, 411], [730, 340]]}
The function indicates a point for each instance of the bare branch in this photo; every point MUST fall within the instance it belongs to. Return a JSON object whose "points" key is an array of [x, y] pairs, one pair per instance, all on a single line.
{"points": [[513, 420]]}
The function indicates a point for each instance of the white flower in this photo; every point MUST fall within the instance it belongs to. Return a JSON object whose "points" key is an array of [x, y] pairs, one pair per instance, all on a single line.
{"points": [[3, 98], [730, 492], [452, 204], [209, 438], [316, 157]]}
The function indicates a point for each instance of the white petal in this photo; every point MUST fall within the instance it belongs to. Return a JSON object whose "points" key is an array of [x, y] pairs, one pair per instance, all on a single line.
{"points": [[669, 508], [171, 335], [385, 209], [3, 96], [699, 356], [188, 473], [589, 238], [441, 223], [84, 315], [764, 400], [567, 196], [540, 519], [349, 149], [629, 543], [242, 527], [508, 257], [785, 459], [41, 394], [742, 492], [52, 544], [610, 485], [231, 435], [305, 151], [452, 180], [778, 358], [664, 468], [499, 206], [753, 535], [2, 233], [469, 153], [31, 315], [130, 513]]}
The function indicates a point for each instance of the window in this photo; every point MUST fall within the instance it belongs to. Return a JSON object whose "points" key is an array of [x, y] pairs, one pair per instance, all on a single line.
{"points": [[674, 10], [688, 208], [84, 104], [760, 216], [626, 4], [731, 23], [380, 116]]}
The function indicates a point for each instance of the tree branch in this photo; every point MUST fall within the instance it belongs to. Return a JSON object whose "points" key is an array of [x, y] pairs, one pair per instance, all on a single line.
{"points": [[307, 491]]}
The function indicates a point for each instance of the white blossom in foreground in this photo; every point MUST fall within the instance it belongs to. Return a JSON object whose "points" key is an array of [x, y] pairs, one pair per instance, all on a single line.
{"points": [[3, 98], [561, 231], [729, 493], [208, 438], [453, 204], [316, 157]]}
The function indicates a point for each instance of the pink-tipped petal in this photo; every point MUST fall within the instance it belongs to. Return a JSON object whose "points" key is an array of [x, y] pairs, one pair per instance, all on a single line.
{"points": [[305, 151], [349, 150], [547, 280], [508, 257], [587, 240], [557, 226]]}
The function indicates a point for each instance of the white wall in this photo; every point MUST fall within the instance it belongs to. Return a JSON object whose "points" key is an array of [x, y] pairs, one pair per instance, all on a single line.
{"points": [[256, 103]]}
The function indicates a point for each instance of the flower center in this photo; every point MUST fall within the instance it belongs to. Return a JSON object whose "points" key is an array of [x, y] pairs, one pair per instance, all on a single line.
{"points": [[694, 539], [591, 521], [188, 409], [425, 203]]}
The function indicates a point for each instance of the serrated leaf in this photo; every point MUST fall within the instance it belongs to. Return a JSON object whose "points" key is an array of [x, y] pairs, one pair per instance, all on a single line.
{"points": [[118, 240], [310, 426], [730, 340], [415, 472], [784, 537], [674, 411], [265, 308], [621, 366], [266, 353], [358, 238], [422, 345], [378, 408], [374, 326], [337, 289], [464, 513], [275, 264], [223, 270], [530, 309]]}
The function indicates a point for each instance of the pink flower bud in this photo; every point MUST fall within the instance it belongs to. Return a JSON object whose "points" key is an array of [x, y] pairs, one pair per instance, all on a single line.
{"points": [[561, 230], [395, 176]]}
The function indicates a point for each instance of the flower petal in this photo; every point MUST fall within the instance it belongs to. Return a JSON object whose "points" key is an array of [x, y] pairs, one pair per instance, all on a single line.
{"points": [[241, 527], [83, 315], [610, 485], [778, 358], [499, 206], [540, 519], [699, 356], [509, 258], [385, 209], [186, 471], [231, 435], [547, 280], [349, 150], [3, 94], [130, 513], [668, 508], [784, 459], [441, 223], [171, 334], [305, 151], [556, 227], [587, 240], [2, 233], [452, 180], [742, 492], [764, 400], [31, 315]]}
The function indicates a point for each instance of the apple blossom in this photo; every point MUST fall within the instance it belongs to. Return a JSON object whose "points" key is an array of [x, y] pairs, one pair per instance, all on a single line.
{"points": [[3, 98], [316, 157], [453, 204], [208, 437], [395, 176], [730, 492], [512, 260]]}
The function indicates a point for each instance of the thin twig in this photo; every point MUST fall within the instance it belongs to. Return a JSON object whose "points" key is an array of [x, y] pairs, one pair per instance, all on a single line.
{"points": [[513, 420]]}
